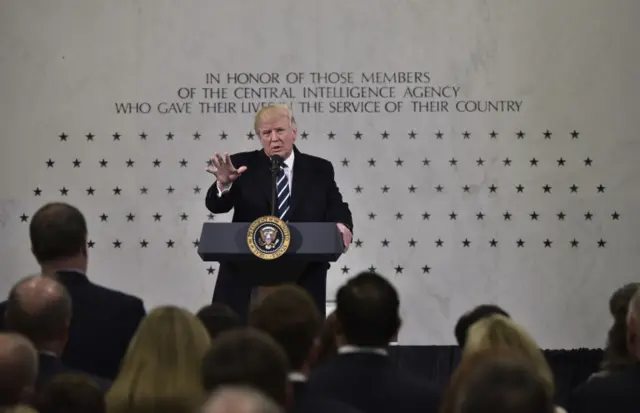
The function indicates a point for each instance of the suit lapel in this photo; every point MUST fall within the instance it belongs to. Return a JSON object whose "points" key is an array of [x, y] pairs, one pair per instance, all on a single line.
{"points": [[263, 177], [301, 181]]}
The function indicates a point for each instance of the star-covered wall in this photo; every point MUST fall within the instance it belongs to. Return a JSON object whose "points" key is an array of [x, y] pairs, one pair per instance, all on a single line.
{"points": [[488, 150]]}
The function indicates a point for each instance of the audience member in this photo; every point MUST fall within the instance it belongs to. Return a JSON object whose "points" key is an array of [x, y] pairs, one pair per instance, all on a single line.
{"points": [[104, 320], [617, 391], [361, 375], [218, 318], [248, 357], [617, 354], [476, 314], [161, 369], [496, 381], [240, 400], [40, 308], [18, 369], [291, 317], [71, 393], [329, 339]]}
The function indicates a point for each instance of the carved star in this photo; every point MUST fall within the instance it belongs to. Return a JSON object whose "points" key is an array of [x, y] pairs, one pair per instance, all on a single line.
{"points": [[358, 135], [534, 216], [372, 269], [64, 191], [117, 190], [600, 189], [223, 136], [399, 162], [453, 162], [412, 242], [466, 135], [561, 215], [157, 217], [372, 216], [143, 191], [332, 136], [547, 243], [426, 216], [453, 216], [574, 243], [37, 191], [615, 216], [412, 189], [399, 269], [250, 135], [520, 189], [183, 163], [399, 216], [426, 269], [104, 217], [575, 134], [117, 243], [480, 216], [184, 217], [144, 243], [345, 270], [63, 137], [439, 243], [358, 189], [91, 244], [507, 162], [533, 162], [130, 217], [358, 243], [547, 134], [196, 136], [439, 135], [89, 137], [480, 162], [588, 162], [466, 243], [211, 217], [561, 162], [601, 243], [304, 135], [507, 216], [345, 162], [574, 189], [520, 135], [170, 244], [372, 162], [385, 189], [24, 218], [466, 188], [520, 243], [50, 163], [493, 243], [385, 243], [116, 136], [210, 270], [412, 135], [143, 136], [426, 162], [493, 189], [103, 163], [170, 190], [439, 188], [588, 216], [196, 243], [76, 163], [196, 190], [156, 163], [385, 135], [493, 135], [130, 163], [547, 189]]}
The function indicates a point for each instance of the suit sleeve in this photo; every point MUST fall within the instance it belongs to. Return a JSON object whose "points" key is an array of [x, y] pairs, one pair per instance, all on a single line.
{"points": [[337, 209]]}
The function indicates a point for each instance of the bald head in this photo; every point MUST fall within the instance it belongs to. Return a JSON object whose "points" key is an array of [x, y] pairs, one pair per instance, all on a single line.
{"points": [[240, 400], [39, 307], [18, 367]]}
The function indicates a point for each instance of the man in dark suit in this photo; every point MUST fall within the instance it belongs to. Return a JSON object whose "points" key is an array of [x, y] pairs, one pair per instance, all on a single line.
{"points": [[40, 308], [289, 315], [104, 320], [615, 391], [306, 189], [361, 375]]}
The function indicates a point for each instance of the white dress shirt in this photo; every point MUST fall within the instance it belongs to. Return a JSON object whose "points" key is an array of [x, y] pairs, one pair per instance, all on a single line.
{"points": [[288, 171], [367, 350]]}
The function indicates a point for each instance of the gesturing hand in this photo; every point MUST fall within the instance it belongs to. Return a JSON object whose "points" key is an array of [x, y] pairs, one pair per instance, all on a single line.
{"points": [[224, 170]]}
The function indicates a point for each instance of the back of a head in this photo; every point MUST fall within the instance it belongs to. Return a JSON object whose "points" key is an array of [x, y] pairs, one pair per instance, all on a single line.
{"points": [[502, 384], [240, 400], [218, 318], [617, 353], [40, 308], [290, 316], [161, 368], [468, 319], [58, 231], [247, 357], [328, 340], [18, 368], [633, 326], [367, 310], [71, 393]]}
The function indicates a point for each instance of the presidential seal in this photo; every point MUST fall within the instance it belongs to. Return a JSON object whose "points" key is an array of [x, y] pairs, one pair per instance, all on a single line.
{"points": [[268, 237]]}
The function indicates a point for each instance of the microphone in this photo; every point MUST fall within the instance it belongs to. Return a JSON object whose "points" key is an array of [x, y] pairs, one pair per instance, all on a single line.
{"points": [[276, 162]]}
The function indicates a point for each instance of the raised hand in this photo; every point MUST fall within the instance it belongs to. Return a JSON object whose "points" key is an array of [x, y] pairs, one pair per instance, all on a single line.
{"points": [[224, 170]]}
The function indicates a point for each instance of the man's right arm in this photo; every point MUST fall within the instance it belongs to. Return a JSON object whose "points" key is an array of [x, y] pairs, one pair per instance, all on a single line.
{"points": [[219, 200]]}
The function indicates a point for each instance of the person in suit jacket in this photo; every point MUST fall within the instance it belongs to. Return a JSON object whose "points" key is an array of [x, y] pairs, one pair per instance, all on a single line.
{"points": [[618, 390], [39, 308], [361, 375], [307, 192], [104, 320], [289, 315]]}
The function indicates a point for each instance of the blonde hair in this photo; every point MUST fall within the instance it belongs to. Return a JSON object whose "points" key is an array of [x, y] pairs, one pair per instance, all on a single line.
{"points": [[273, 107], [500, 332], [161, 371]]}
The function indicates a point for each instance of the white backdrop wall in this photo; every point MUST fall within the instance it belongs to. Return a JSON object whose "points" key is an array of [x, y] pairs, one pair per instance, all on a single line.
{"points": [[564, 67]]}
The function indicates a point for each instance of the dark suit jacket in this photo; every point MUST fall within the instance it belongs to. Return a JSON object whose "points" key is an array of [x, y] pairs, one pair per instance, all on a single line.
{"points": [[315, 196], [616, 392], [370, 383], [50, 366], [103, 323], [306, 401]]}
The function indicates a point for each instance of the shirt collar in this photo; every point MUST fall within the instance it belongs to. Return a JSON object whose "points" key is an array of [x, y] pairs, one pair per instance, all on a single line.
{"points": [[363, 350], [296, 376], [289, 161]]}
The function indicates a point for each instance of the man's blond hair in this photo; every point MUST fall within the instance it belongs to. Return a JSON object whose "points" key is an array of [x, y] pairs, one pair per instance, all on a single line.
{"points": [[270, 108]]}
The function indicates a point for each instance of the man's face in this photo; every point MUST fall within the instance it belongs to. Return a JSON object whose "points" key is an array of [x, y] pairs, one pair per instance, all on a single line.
{"points": [[276, 133]]}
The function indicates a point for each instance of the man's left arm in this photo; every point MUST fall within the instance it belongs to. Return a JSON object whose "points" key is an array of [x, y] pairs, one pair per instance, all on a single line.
{"points": [[337, 210]]}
